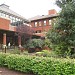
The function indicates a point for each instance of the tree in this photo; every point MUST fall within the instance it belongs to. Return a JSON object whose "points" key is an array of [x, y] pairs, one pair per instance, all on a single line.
{"points": [[62, 3], [62, 34], [25, 31]]}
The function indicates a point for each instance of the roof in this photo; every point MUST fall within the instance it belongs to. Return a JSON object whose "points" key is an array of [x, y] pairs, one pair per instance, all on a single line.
{"points": [[42, 17], [9, 11]]}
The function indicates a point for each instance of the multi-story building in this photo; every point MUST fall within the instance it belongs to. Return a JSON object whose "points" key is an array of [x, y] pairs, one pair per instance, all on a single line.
{"points": [[41, 24], [9, 20]]}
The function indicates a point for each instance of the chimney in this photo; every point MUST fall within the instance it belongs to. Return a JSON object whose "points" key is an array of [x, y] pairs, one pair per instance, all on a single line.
{"points": [[51, 12], [4, 6]]}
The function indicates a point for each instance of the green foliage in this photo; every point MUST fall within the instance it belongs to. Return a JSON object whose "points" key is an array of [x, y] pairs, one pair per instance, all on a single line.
{"points": [[62, 35], [38, 65], [14, 51], [62, 50], [62, 3], [33, 43], [20, 63], [46, 53], [25, 53], [2, 59], [47, 43]]}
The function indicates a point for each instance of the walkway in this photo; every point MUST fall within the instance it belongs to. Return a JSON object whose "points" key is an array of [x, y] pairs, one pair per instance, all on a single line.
{"points": [[5, 71]]}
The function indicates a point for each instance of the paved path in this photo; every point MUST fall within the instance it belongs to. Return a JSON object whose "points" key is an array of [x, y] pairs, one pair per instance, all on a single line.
{"points": [[5, 71]]}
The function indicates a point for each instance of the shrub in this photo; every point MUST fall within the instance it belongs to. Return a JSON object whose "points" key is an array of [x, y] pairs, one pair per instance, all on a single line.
{"points": [[62, 50], [47, 43], [33, 43], [38, 65], [2, 59], [20, 63]]}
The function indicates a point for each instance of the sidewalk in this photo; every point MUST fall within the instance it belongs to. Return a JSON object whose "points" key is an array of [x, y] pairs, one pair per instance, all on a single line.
{"points": [[6, 71]]}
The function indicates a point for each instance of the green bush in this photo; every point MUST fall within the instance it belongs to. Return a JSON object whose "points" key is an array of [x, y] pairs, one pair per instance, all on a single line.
{"points": [[62, 50], [47, 43], [46, 66], [2, 59], [20, 63], [38, 65], [33, 43]]}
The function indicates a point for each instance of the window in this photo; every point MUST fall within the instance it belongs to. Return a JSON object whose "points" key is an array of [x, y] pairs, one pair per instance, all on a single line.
{"points": [[7, 15], [35, 25], [38, 31], [45, 23], [49, 22], [3, 14], [39, 23]]}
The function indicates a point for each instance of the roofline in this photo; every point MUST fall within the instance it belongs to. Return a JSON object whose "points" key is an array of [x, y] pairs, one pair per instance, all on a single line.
{"points": [[44, 17], [4, 4], [18, 16]]}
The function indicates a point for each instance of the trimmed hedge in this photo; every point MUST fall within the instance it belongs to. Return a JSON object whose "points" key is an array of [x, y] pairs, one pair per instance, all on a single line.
{"points": [[38, 65]]}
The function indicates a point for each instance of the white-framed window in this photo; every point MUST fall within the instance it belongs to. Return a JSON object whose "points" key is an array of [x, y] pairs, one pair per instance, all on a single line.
{"points": [[44, 22], [39, 23], [50, 22], [35, 24]]}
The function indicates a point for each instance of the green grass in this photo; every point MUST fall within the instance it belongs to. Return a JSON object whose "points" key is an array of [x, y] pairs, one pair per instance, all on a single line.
{"points": [[12, 51]]}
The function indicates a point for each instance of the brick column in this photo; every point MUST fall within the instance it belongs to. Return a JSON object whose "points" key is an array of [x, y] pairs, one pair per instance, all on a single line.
{"points": [[4, 40], [19, 41]]}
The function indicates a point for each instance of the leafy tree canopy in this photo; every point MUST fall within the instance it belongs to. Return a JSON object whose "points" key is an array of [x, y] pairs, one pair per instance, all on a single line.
{"points": [[63, 32]]}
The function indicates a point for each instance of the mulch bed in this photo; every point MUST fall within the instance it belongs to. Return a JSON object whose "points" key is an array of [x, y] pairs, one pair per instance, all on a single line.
{"points": [[6, 71]]}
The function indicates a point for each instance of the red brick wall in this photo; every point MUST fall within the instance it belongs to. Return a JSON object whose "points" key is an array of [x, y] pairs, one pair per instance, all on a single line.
{"points": [[4, 24], [53, 11], [42, 27]]}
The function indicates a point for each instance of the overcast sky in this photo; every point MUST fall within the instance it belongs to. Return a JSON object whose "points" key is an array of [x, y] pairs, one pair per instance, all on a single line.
{"points": [[30, 8]]}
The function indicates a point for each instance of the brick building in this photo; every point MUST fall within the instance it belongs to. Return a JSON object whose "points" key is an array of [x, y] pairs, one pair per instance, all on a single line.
{"points": [[9, 20], [41, 24]]}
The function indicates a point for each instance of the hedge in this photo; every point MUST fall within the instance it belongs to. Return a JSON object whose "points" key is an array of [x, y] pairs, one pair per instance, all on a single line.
{"points": [[38, 65]]}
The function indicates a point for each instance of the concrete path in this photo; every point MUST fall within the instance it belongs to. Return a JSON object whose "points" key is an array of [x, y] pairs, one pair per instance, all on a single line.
{"points": [[6, 71]]}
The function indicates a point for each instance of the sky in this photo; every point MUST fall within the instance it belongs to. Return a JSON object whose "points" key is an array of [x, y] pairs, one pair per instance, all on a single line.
{"points": [[31, 8]]}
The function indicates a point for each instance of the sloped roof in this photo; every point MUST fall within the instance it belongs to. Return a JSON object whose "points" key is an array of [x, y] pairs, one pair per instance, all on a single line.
{"points": [[9, 11], [42, 17]]}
